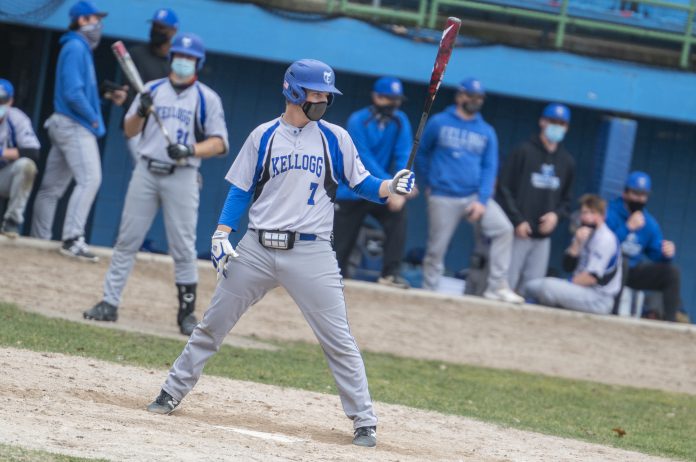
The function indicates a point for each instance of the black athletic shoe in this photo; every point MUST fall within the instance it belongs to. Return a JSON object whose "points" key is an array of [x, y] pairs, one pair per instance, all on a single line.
{"points": [[10, 228], [163, 404], [77, 248], [102, 311], [365, 436], [188, 324], [394, 281]]}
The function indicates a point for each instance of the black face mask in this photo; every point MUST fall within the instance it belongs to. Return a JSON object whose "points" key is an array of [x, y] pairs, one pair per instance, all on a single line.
{"points": [[385, 111], [635, 206], [314, 111], [158, 37], [589, 225], [472, 107]]}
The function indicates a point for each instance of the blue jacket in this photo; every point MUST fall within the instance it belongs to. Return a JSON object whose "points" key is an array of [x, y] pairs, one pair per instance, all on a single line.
{"points": [[383, 147], [634, 244], [457, 157], [76, 94]]}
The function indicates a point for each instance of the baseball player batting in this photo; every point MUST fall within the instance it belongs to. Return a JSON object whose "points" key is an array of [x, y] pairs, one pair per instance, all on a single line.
{"points": [[289, 168], [166, 175]]}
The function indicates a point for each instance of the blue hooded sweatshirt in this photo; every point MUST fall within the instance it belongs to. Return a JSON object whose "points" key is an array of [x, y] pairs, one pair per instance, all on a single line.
{"points": [[76, 94], [457, 157], [646, 240], [383, 146]]}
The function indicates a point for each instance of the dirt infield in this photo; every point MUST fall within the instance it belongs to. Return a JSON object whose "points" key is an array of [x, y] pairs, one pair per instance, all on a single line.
{"points": [[84, 407], [409, 323]]}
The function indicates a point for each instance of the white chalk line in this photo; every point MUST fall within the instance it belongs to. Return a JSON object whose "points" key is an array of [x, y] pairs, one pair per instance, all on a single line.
{"points": [[262, 435]]}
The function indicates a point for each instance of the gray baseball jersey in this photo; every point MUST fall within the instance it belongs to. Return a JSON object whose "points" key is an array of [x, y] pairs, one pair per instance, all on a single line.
{"points": [[16, 131], [187, 115], [601, 257]]}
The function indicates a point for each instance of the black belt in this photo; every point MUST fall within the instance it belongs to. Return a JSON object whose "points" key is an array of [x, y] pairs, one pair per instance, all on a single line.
{"points": [[158, 167], [281, 240]]}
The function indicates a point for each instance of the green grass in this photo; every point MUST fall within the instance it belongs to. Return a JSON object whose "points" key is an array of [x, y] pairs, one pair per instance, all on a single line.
{"points": [[17, 454], [655, 422]]}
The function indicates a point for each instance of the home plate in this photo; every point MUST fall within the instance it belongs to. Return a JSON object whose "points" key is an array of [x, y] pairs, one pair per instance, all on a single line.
{"points": [[262, 435]]}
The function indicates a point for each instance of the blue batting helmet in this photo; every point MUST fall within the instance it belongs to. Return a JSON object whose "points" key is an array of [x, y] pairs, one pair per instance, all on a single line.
{"points": [[639, 181], [308, 74], [188, 44], [6, 91]]}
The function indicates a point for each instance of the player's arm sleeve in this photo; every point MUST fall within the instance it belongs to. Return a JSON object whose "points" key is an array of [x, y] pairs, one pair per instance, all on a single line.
{"points": [[235, 205], [358, 133], [599, 263], [425, 151], [243, 172], [404, 143], [507, 186], [72, 73], [489, 168], [566, 199], [355, 174], [215, 123]]}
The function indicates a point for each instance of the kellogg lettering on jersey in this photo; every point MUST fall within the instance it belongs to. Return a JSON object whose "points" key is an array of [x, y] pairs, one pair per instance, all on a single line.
{"points": [[173, 112], [460, 138], [547, 179], [286, 162]]}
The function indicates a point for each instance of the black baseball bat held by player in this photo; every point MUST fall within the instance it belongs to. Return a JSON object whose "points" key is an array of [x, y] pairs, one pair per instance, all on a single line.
{"points": [[444, 51]]}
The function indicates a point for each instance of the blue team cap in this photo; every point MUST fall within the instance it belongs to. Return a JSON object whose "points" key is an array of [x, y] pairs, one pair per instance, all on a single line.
{"points": [[85, 8], [6, 91], [556, 111], [639, 181], [166, 17], [472, 86], [391, 87]]}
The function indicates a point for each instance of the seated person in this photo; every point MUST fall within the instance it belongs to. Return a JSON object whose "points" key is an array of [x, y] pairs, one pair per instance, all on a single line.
{"points": [[641, 238], [594, 256]]}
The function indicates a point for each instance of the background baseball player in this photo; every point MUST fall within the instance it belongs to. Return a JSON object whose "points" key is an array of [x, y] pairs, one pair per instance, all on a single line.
{"points": [[19, 152], [291, 167], [167, 176]]}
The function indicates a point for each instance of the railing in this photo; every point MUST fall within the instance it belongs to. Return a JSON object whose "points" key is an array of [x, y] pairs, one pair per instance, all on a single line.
{"points": [[567, 15]]}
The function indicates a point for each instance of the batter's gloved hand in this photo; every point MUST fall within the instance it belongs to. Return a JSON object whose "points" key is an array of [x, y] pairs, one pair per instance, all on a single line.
{"points": [[145, 104], [179, 151], [221, 251], [402, 183]]}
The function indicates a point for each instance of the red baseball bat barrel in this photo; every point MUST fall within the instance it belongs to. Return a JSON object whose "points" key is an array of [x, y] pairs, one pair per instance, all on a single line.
{"points": [[444, 51]]}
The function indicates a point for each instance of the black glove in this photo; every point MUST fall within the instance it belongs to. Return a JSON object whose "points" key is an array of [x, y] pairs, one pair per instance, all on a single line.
{"points": [[145, 104], [180, 151]]}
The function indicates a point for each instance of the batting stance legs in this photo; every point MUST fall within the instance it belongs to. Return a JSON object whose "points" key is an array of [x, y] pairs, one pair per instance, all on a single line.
{"points": [[317, 290]]}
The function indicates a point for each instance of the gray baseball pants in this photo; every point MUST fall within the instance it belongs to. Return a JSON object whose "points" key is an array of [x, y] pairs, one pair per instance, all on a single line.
{"points": [[444, 215], [310, 274], [16, 181], [564, 294], [178, 195], [530, 260], [74, 154]]}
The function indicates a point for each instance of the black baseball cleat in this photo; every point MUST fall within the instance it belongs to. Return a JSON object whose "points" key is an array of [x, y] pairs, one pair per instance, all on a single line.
{"points": [[188, 324], [10, 228], [365, 436], [102, 311], [163, 404], [77, 248]]}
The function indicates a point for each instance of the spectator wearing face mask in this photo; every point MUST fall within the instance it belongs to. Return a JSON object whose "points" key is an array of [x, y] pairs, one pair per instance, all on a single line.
{"points": [[383, 137], [641, 240], [456, 165], [535, 190]]}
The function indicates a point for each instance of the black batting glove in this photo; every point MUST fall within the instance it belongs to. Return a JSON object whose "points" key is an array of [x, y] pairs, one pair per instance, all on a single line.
{"points": [[145, 104], [180, 151]]}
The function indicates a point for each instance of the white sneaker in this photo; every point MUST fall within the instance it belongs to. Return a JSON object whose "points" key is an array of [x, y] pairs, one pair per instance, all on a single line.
{"points": [[503, 294]]}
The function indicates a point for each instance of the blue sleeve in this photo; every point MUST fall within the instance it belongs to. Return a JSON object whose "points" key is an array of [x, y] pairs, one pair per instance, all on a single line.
{"points": [[489, 168], [425, 151], [369, 189], [617, 225], [653, 248], [72, 74], [404, 142], [235, 205], [358, 132]]}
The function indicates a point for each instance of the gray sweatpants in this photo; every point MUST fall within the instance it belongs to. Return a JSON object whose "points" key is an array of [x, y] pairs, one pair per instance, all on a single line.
{"points": [[178, 195], [74, 154], [564, 294], [16, 181], [444, 215], [530, 260], [310, 274]]}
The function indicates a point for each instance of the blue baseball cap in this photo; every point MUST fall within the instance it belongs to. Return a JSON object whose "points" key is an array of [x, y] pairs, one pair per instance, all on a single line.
{"points": [[639, 181], [85, 8], [166, 17], [6, 91], [391, 87], [472, 86], [556, 111]]}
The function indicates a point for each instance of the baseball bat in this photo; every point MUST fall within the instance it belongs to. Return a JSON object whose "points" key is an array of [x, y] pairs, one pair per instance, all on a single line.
{"points": [[444, 51], [128, 66]]}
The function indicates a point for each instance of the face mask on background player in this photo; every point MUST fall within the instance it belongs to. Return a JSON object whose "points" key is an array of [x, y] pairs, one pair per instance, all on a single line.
{"points": [[183, 68], [635, 206], [472, 106], [314, 111], [3, 110], [92, 33], [386, 110], [554, 132]]}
